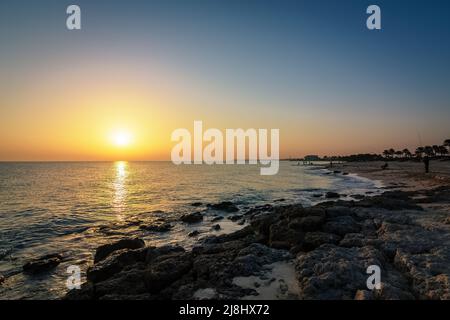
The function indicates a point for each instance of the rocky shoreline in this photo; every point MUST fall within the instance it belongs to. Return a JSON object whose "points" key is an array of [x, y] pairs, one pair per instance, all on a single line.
{"points": [[328, 247]]}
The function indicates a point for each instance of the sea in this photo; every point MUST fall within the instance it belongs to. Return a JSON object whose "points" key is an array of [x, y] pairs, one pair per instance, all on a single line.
{"points": [[71, 208]]}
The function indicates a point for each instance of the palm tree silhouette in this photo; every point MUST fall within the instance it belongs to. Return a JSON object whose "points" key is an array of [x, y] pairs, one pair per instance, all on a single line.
{"points": [[443, 150], [407, 153], [447, 143], [429, 151], [436, 149], [419, 152]]}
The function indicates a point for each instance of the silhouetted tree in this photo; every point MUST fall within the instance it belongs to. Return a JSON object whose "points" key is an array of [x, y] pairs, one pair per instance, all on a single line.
{"points": [[419, 152], [447, 143], [407, 153], [391, 152], [436, 149], [429, 151], [443, 150]]}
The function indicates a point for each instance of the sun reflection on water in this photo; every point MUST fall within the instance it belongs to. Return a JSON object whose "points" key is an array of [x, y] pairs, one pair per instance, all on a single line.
{"points": [[120, 191]]}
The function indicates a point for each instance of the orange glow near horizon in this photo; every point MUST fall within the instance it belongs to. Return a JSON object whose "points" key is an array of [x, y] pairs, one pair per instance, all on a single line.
{"points": [[106, 113]]}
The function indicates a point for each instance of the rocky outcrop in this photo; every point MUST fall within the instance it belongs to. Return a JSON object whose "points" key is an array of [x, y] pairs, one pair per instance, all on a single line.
{"points": [[43, 264], [331, 195], [226, 206], [103, 251], [192, 217], [158, 227], [332, 245]]}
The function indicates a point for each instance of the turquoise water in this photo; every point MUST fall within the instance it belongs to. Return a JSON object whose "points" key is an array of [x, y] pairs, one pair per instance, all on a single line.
{"points": [[72, 208]]}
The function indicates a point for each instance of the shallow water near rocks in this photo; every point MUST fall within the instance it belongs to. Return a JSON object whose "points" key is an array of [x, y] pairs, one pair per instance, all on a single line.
{"points": [[72, 208]]}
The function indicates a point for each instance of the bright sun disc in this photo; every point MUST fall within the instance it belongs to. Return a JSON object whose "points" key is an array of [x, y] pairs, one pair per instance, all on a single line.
{"points": [[122, 139]]}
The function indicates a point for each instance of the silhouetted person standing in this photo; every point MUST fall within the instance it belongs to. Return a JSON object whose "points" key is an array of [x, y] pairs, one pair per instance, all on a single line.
{"points": [[426, 162]]}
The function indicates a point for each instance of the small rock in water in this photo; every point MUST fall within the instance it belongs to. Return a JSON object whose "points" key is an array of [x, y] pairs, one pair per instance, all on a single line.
{"points": [[218, 218], [216, 227], [331, 195], [194, 233], [196, 204], [279, 200], [163, 227], [192, 217], [235, 217], [105, 250], [2, 279], [42, 264], [227, 206], [317, 195]]}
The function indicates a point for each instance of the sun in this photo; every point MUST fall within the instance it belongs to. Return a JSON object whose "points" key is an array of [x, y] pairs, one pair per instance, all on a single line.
{"points": [[122, 138]]}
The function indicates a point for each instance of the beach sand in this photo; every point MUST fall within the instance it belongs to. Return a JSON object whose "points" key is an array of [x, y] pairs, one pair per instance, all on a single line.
{"points": [[405, 175]]}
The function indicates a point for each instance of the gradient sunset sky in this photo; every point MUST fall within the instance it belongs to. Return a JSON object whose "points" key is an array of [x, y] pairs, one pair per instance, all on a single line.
{"points": [[310, 68]]}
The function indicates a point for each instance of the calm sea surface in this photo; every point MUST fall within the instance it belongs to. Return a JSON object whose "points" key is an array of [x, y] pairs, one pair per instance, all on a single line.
{"points": [[72, 208]]}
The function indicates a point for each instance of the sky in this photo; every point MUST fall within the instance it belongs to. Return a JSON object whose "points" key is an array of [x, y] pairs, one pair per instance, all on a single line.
{"points": [[142, 69]]}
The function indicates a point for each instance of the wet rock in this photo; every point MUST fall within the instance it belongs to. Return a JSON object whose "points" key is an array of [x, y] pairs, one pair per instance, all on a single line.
{"points": [[392, 200], [114, 263], [317, 195], [2, 279], [259, 210], [331, 272], [226, 206], [131, 243], [250, 260], [192, 217], [161, 227], [217, 218], [153, 253], [43, 264], [338, 211], [308, 223], [261, 224], [86, 292], [332, 195], [358, 196], [279, 200], [165, 270], [216, 227], [283, 237], [408, 238], [358, 240], [235, 217], [127, 282], [341, 225], [194, 233], [196, 204], [429, 272], [314, 240]]}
